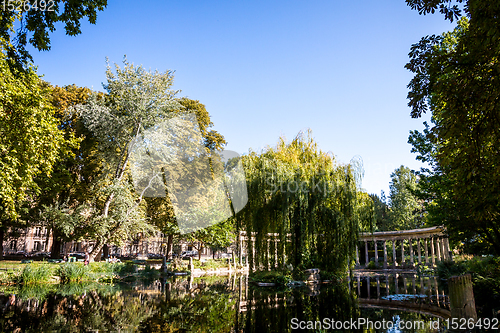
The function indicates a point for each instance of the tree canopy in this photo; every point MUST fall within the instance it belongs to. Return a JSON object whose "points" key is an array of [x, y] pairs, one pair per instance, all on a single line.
{"points": [[457, 80], [35, 21]]}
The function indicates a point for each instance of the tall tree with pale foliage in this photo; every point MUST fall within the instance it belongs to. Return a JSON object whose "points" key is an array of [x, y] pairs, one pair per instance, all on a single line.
{"points": [[136, 100]]}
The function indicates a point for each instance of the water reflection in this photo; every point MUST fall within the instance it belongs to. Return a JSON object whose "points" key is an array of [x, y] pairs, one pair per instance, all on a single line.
{"points": [[219, 304]]}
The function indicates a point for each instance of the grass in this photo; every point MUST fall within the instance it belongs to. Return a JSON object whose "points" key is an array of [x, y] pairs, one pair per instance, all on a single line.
{"points": [[211, 264], [36, 273]]}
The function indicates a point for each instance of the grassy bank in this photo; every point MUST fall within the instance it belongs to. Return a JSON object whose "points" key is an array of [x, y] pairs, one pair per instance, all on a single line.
{"points": [[43, 272]]}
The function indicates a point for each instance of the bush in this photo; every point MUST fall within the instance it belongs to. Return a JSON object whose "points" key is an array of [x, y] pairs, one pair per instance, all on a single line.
{"points": [[485, 272], [36, 273], [371, 265], [73, 272]]}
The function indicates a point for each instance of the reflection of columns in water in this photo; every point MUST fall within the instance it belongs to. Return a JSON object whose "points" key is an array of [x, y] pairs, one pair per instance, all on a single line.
{"points": [[366, 253], [385, 254], [437, 290], [404, 284], [414, 284], [396, 283], [402, 252], [433, 259], [394, 253], [357, 255], [368, 286], [411, 251], [419, 252], [358, 280], [386, 284], [378, 287], [422, 287], [376, 252]]}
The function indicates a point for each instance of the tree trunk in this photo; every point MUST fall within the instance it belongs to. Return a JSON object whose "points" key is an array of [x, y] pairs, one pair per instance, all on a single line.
{"points": [[96, 251], [2, 233], [55, 250], [105, 251], [170, 245]]}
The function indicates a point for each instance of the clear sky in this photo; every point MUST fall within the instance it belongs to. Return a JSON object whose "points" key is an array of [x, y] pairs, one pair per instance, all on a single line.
{"points": [[266, 69]]}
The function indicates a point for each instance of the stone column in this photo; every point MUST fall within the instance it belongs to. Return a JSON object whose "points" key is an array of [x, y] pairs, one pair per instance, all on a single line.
{"points": [[385, 254], [402, 252], [376, 253], [275, 253], [426, 251], [394, 253], [358, 280], [419, 252], [447, 248], [357, 255], [438, 249], [241, 251], [253, 255], [444, 253], [433, 259], [366, 253], [411, 251]]}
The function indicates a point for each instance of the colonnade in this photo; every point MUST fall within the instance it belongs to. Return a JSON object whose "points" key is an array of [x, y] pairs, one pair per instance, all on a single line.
{"points": [[431, 246]]}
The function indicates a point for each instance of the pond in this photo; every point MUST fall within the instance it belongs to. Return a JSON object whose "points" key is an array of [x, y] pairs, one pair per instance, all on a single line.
{"points": [[228, 304]]}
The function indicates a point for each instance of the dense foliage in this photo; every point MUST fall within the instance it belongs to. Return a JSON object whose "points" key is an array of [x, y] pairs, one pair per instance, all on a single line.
{"points": [[457, 80]]}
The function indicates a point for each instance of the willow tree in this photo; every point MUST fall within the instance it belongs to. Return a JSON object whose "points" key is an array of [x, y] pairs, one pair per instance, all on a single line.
{"points": [[312, 204]]}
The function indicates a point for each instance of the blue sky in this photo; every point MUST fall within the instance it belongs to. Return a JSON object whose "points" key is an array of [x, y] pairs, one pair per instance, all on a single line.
{"points": [[266, 69]]}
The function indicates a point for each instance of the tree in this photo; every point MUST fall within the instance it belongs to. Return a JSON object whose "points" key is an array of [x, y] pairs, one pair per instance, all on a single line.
{"points": [[36, 19], [297, 190], [29, 139], [456, 78], [405, 210], [76, 168], [159, 209], [136, 101], [381, 208]]}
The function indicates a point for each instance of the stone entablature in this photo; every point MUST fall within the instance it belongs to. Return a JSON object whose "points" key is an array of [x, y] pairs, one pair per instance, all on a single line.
{"points": [[434, 238]]}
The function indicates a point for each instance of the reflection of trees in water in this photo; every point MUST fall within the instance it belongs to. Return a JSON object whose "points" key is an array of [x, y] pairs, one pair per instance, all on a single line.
{"points": [[195, 305], [271, 311], [106, 309]]}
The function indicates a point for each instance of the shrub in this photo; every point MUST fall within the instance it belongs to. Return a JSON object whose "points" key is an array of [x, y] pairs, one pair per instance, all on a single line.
{"points": [[73, 272], [36, 273]]}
